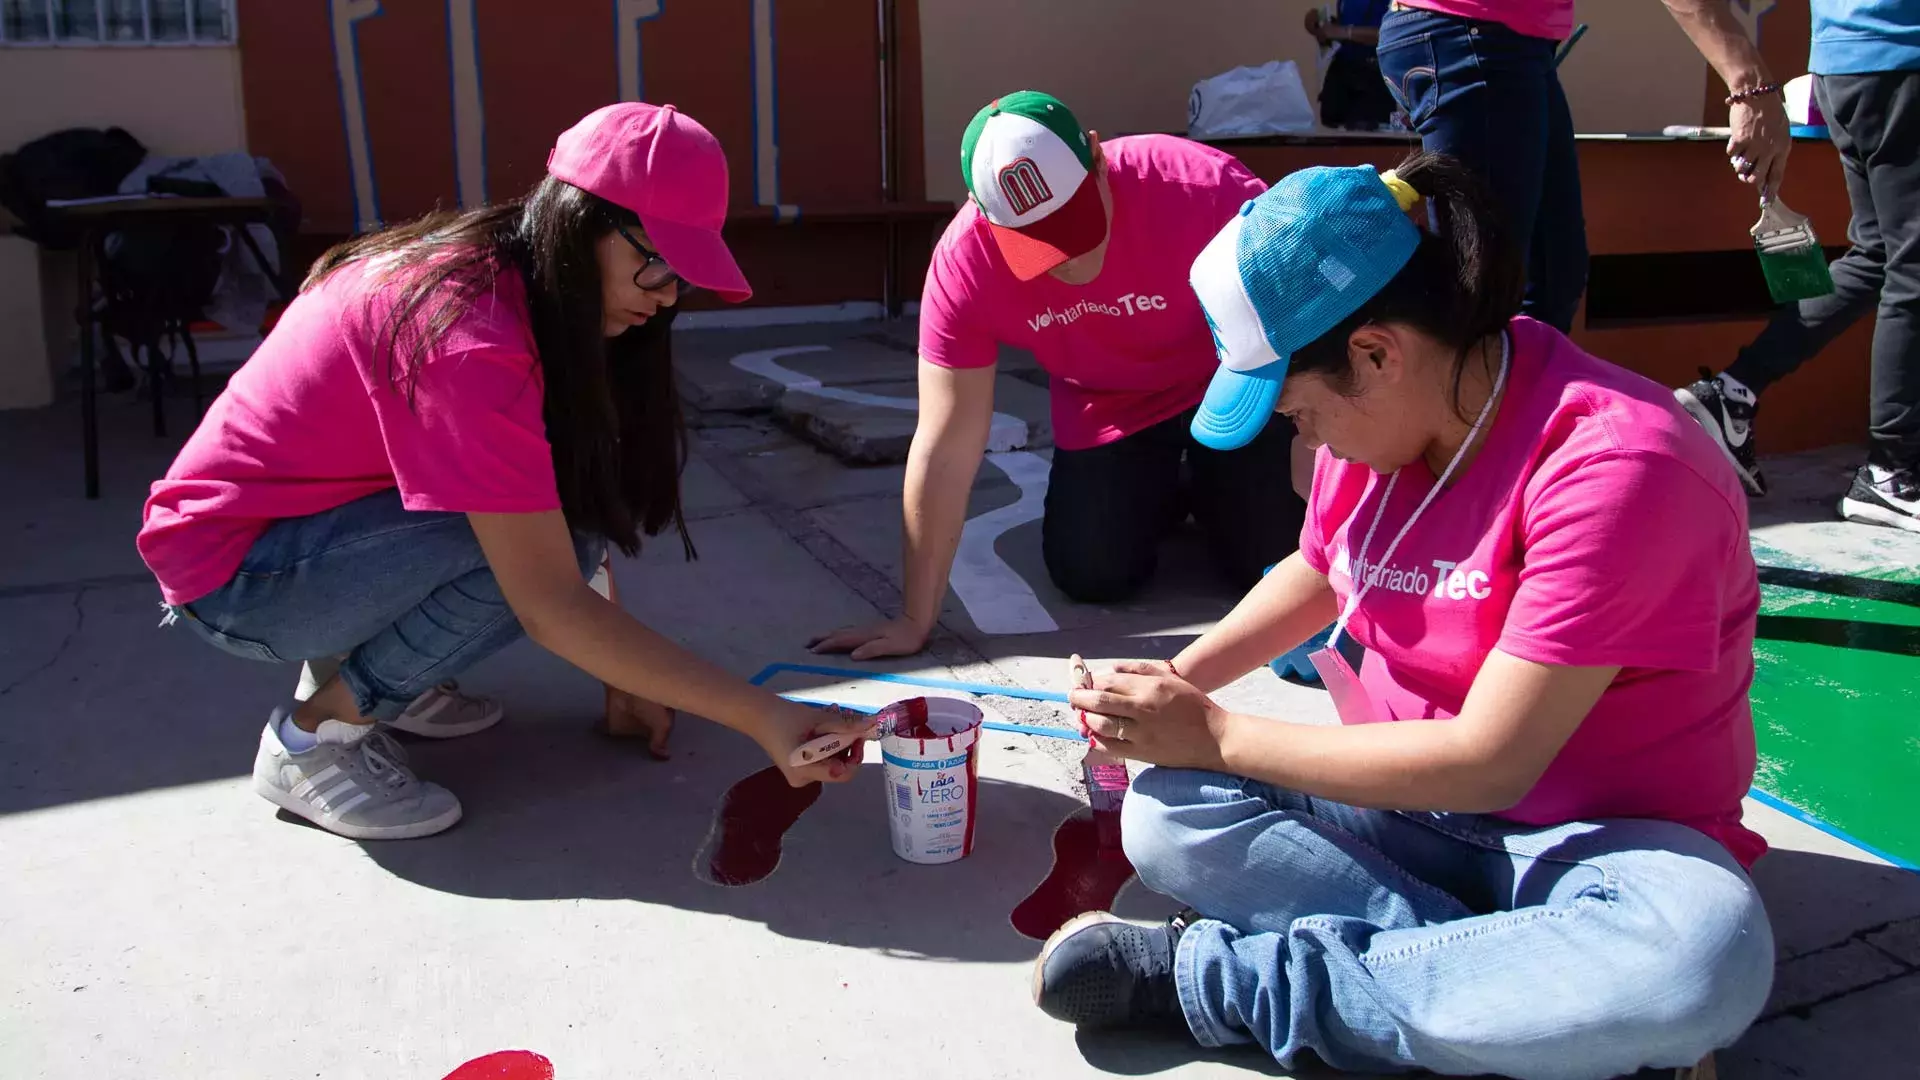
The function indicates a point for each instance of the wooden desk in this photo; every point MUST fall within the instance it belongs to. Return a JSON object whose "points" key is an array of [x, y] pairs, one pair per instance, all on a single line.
{"points": [[93, 221]]}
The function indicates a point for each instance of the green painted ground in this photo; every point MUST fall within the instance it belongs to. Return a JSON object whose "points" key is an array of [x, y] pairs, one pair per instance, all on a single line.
{"points": [[1836, 701]]}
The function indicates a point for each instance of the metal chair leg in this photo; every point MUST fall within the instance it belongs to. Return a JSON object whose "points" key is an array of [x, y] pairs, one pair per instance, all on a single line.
{"points": [[156, 387], [193, 366]]}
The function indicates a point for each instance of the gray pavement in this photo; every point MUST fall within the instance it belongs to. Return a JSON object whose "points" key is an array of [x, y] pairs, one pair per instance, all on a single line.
{"points": [[157, 919]]}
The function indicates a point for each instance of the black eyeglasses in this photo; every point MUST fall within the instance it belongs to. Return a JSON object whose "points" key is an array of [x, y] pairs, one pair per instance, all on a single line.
{"points": [[654, 273]]}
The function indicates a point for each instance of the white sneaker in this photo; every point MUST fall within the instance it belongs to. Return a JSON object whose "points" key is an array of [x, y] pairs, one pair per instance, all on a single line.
{"points": [[445, 713], [355, 782], [1884, 497]]}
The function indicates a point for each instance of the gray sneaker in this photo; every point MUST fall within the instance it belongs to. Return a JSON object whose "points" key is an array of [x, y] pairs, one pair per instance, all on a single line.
{"points": [[445, 713], [357, 787]]}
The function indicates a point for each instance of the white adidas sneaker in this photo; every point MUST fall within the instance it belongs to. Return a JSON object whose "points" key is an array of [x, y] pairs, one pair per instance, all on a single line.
{"points": [[354, 783]]}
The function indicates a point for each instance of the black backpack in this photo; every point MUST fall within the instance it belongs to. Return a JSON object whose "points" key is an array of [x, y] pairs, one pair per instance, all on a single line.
{"points": [[78, 163]]}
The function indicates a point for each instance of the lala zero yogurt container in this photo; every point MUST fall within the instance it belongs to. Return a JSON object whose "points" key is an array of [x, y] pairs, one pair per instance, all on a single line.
{"points": [[931, 753]]}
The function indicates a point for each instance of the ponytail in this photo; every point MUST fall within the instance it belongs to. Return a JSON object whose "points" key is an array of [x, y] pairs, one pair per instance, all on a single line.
{"points": [[1463, 284]]}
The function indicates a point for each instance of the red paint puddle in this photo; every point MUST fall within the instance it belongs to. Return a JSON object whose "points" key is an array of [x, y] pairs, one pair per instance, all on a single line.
{"points": [[505, 1065], [744, 846], [1087, 874]]}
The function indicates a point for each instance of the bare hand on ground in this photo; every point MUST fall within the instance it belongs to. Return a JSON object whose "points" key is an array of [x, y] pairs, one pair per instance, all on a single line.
{"points": [[894, 637], [631, 717]]}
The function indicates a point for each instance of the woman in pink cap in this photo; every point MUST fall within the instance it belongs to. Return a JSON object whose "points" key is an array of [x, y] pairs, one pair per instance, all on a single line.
{"points": [[428, 456]]}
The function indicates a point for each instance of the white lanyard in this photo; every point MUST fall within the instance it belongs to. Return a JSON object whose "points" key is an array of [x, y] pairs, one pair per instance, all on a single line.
{"points": [[1362, 581]]}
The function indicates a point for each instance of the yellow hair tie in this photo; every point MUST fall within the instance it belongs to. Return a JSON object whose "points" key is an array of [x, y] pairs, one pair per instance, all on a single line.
{"points": [[1403, 192]]}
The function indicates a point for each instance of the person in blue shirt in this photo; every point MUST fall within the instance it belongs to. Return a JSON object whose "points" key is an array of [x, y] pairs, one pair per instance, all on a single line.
{"points": [[1352, 94], [1866, 65]]}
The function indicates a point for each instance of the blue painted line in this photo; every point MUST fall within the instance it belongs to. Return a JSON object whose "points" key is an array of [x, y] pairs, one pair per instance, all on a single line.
{"points": [[761, 196], [360, 213], [468, 199], [767, 673], [990, 725], [1805, 818], [981, 689]]}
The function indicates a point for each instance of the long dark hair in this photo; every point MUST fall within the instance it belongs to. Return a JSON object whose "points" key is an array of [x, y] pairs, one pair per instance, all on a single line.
{"points": [[1463, 284], [611, 407]]}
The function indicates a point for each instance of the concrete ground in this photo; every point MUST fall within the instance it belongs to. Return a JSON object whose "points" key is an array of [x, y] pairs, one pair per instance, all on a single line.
{"points": [[158, 920]]}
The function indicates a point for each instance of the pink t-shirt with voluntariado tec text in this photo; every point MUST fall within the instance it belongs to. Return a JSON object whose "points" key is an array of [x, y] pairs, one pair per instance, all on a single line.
{"points": [[1598, 526], [1550, 19], [312, 422], [1131, 348]]}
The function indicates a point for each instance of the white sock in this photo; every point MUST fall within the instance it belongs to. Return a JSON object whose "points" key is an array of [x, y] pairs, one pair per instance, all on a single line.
{"points": [[1879, 474], [296, 738]]}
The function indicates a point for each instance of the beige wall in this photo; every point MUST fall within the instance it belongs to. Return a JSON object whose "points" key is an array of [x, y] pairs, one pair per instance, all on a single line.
{"points": [[175, 100], [1127, 65]]}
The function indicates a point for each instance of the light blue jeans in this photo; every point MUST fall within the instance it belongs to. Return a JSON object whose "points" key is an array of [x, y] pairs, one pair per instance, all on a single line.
{"points": [[1457, 943], [405, 595]]}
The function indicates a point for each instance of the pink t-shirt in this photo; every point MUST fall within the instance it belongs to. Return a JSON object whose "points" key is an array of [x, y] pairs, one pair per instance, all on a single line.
{"points": [[1550, 19], [1131, 348], [1598, 526], [312, 422]]}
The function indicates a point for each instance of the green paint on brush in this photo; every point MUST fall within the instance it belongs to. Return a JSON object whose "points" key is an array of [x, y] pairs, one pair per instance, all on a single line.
{"points": [[1836, 703]]}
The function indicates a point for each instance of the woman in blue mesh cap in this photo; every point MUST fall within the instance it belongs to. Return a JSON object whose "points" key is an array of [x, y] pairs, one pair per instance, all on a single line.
{"points": [[1521, 850]]}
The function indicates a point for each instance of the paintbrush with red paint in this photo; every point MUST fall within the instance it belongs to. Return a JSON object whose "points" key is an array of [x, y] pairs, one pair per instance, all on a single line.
{"points": [[901, 716], [1105, 775]]}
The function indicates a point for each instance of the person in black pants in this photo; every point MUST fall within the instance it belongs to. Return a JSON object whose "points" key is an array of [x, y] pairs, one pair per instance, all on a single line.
{"points": [[1078, 249], [1867, 59], [1485, 91], [1109, 507]]}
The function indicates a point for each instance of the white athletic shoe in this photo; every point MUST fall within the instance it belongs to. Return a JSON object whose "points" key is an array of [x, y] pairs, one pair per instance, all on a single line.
{"points": [[355, 782], [445, 713]]}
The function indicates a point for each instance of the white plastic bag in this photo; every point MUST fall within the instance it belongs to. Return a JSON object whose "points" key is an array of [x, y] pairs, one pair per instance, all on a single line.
{"points": [[1247, 101]]}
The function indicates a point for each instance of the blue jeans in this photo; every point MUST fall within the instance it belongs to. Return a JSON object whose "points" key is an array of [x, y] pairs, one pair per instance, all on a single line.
{"points": [[1453, 942], [1489, 96], [406, 596]]}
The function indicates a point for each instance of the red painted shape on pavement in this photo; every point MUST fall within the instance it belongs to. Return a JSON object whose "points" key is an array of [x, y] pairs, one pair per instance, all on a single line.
{"points": [[505, 1065], [744, 845], [1087, 875]]}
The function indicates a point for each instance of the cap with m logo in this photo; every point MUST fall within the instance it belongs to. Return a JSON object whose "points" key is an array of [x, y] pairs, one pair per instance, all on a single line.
{"points": [[1028, 162]]}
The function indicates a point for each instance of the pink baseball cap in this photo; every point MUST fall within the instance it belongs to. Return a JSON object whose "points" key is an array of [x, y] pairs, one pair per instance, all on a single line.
{"points": [[662, 165]]}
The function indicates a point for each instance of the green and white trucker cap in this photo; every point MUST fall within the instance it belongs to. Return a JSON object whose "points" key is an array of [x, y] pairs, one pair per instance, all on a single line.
{"points": [[1029, 165]]}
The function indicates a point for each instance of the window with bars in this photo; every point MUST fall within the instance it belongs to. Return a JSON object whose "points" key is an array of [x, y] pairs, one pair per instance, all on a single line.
{"points": [[116, 22]]}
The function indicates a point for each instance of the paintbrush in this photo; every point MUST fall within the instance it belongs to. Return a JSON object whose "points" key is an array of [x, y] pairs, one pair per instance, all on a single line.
{"points": [[901, 714], [1105, 775], [1790, 254]]}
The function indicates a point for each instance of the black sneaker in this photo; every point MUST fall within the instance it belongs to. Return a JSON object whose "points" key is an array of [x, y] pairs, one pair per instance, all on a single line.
{"points": [[1100, 971], [1725, 408], [1884, 497]]}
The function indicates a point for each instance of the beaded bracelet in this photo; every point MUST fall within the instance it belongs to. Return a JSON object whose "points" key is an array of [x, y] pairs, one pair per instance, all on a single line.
{"points": [[1758, 91]]}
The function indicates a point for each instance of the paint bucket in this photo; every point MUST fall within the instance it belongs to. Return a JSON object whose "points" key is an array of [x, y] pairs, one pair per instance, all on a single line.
{"points": [[932, 762]]}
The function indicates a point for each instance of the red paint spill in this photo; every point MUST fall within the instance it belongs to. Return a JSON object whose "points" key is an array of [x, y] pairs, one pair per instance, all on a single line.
{"points": [[505, 1065], [1086, 876], [744, 846]]}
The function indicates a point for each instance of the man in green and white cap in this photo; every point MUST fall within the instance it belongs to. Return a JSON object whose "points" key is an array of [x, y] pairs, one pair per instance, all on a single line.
{"points": [[1078, 251]]}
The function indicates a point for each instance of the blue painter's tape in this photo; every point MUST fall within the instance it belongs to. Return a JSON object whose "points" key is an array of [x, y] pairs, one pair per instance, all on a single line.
{"points": [[1805, 818], [767, 673], [982, 689]]}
